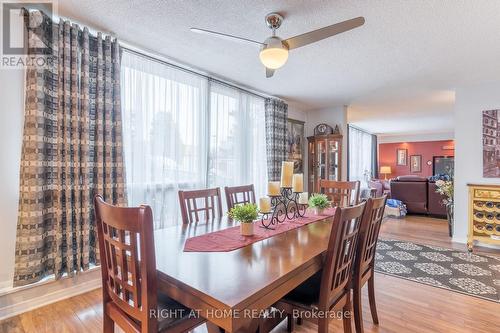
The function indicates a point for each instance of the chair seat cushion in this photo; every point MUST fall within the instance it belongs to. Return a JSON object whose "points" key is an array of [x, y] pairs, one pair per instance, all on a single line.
{"points": [[172, 313], [307, 294]]}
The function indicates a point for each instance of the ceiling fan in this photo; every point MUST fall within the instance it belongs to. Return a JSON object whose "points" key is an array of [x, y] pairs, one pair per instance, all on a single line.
{"points": [[274, 50]]}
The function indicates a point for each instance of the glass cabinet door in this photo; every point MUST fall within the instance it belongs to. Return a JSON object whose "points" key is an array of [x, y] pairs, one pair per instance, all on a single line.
{"points": [[333, 160], [321, 156], [311, 165], [325, 160]]}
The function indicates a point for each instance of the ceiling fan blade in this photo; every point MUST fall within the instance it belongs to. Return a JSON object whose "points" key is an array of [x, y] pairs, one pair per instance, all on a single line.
{"points": [[317, 35], [269, 72], [225, 36]]}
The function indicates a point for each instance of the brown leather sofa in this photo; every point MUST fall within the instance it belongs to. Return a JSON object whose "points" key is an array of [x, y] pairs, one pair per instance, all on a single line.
{"points": [[412, 190], [435, 201], [418, 194]]}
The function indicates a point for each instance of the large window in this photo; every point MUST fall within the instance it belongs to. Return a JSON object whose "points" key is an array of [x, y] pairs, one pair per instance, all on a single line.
{"points": [[183, 132], [237, 139], [362, 155]]}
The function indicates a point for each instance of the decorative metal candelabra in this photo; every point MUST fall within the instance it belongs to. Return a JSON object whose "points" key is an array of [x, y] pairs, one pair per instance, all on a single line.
{"points": [[284, 206]]}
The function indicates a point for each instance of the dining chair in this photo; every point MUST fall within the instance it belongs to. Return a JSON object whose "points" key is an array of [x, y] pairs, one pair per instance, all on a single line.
{"points": [[209, 201], [236, 195], [342, 194], [329, 289], [129, 277], [364, 264]]}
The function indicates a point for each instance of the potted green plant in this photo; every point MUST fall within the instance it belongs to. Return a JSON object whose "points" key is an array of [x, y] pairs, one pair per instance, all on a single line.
{"points": [[319, 202], [246, 214]]}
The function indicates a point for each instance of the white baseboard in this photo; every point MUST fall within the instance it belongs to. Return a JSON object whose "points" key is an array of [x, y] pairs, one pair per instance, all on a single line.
{"points": [[489, 246], [463, 240], [25, 299], [5, 285]]}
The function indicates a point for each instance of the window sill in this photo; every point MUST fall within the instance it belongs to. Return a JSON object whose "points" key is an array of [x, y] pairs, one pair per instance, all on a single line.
{"points": [[47, 280]]}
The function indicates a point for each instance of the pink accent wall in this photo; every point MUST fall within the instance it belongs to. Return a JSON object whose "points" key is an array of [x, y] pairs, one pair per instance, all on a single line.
{"points": [[428, 149]]}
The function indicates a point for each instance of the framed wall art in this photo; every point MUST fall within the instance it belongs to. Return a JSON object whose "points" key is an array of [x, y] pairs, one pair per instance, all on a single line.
{"points": [[415, 163], [491, 144], [295, 144], [401, 156]]}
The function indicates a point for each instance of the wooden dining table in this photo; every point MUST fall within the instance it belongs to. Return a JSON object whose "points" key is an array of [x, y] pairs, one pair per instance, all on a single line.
{"points": [[232, 289]]}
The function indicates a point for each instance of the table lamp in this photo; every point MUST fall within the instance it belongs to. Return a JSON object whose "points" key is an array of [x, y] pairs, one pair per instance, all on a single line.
{"points": [[385, 170]]}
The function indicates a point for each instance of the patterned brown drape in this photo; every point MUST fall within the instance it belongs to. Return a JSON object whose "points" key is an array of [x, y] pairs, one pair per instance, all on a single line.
{"points": [[72, 149], [276, 118]]}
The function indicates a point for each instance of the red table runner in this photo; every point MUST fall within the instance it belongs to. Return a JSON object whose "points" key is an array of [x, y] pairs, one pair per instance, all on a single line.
{"points": [[230, 239]]}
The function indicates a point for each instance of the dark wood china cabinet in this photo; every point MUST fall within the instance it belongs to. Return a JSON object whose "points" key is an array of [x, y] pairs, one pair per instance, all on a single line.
{"points": [[325, 159]]}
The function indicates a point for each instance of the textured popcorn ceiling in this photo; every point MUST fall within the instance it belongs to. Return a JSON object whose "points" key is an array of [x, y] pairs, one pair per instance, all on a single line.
{"points": [[407, 53]]}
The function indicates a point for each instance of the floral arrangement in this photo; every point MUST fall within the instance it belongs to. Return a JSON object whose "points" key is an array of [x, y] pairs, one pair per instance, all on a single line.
{"points": [[245, 213], [440, 176], [445, 187], [319, 201]]}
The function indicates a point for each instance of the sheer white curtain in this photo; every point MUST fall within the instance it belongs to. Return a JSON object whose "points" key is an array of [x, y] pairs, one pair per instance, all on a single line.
{"points": [[164, 135], [183, 132], [237, 139], [360, 155]]}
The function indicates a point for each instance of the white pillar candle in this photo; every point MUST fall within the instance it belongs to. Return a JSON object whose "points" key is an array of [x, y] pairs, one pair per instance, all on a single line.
{"points": [[286, 174], [298, 182], [273, 188], [265, 205], [303, 198]]}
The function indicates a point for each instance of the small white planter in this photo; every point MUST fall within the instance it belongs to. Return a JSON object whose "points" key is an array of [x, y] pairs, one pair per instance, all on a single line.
{"points": [[246, 228], [318, 211]]}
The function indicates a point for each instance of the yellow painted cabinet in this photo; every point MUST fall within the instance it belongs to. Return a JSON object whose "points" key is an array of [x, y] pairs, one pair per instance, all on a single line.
{"points": [[484, 214]]}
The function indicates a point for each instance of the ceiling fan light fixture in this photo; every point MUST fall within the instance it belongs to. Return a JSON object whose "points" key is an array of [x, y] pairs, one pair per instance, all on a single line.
{"points": [[273, 54], [274, 51]]}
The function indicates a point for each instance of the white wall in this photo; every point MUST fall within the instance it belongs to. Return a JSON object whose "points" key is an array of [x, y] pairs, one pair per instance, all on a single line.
{"points": [[296, 112], [381, 138], [470, 102], [336, 115], [11, 125]]}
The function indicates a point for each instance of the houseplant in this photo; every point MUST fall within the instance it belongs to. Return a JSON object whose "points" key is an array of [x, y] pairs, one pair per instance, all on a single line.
{"points": [[445, 188], [246, 214], [318, 202]]}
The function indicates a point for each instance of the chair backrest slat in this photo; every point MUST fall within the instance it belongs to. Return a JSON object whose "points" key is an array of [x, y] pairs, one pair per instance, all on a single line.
{"points": [[342, 194], [236, 195], [211, 204], [340, 255], [369, 232], [128, 263]]}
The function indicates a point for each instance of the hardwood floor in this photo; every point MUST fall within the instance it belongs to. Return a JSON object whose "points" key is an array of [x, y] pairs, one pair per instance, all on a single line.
{"points": [[425, 230], [403, 306]]}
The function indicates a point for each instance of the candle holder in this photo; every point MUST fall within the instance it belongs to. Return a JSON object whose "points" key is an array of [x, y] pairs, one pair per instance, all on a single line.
{"points": [[284, 206]]}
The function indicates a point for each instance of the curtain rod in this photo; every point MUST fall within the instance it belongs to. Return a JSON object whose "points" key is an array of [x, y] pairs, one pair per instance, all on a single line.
{"points": [[190, 71], [360, 129], [143, 53]]}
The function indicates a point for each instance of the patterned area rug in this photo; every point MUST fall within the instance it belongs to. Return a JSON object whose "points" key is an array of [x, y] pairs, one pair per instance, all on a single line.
{"points": [[463, 272]]}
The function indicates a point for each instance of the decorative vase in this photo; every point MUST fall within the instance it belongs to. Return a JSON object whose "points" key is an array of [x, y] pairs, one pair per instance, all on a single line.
{"points": [[246, 228], [449, 214], [318, 211]]}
